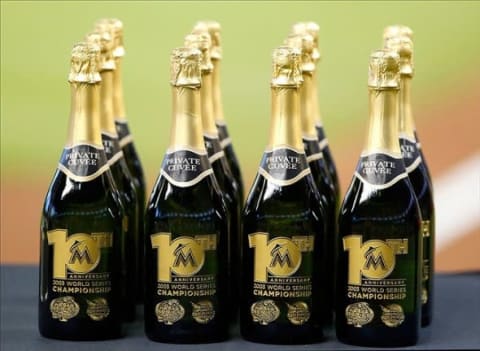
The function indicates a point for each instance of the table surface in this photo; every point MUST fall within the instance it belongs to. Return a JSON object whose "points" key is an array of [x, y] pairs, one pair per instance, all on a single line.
{"points": [[456, 323]]}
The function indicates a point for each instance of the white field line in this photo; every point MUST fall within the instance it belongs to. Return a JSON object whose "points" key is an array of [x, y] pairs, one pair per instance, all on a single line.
{"points": [[457, 201]]}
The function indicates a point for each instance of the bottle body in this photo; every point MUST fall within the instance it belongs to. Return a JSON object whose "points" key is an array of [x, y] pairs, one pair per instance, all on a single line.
{"points": [[186, 253], [80, 260], [282, 243]]}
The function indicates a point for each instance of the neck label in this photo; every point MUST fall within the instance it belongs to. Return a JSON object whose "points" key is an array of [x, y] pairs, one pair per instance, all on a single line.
{"points": [[83, 162], [410, 153], [185, 168], [322, 139], [312, 149], [283, 166], [214, 148], [124, 136], [380, 170], [223, 135], [112, 148]]}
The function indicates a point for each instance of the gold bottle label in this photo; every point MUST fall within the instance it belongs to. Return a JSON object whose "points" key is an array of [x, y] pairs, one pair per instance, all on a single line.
{"points": [[284, 166], [183, 272], [185, 168], [83, 162], [380, 170], [370, 264], [279, 274]]}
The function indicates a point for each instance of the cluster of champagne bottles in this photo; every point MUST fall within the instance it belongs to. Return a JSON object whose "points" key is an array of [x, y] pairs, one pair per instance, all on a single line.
{"points": [[281, 261]]}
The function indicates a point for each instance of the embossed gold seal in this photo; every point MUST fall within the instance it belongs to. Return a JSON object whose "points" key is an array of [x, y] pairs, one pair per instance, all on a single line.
{"points": [[392, 315], [298, 313], [203, 311], [264, 311], [98, 309], [169, 311], [64, 308], [358, 314]]}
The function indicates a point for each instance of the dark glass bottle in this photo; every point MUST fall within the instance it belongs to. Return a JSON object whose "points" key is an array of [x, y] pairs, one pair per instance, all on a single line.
{"points": [[221, 169], [318, 167], [313, 29], [417, 170], [379, 244], [127, 145], [186, 243], [81, 226], [121, 175], [283, 227]]}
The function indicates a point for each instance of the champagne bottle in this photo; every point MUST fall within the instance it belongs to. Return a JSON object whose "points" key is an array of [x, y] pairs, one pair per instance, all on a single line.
{"points": [[283, 226], [116, 161], [216, 155], [81, 225], [313, 29], [316, 162], [214, 28], [379, 245], [417, 170], [126, 143], [186, 247]]}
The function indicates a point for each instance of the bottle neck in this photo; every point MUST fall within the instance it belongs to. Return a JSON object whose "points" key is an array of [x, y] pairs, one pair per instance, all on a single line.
{"points": [[383, 128], [84, 125], [285, 129], [407, 125], [107, 119], [118, 102], [186, 130], [306, 107], [217, 92], [314, 97], [208, 119]]}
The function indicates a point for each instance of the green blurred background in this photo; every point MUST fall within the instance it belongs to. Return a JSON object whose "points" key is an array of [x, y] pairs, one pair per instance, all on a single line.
{"points": [[37, 36]]}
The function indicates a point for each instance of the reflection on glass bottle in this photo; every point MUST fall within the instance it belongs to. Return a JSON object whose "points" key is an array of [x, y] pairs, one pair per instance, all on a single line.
{"points": [[186, 246], [379, 242], [82, 223], [283, 227], [415, 161]]}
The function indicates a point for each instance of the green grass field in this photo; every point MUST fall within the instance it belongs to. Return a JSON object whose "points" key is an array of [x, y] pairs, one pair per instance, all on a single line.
{"points": [[37, 36]]}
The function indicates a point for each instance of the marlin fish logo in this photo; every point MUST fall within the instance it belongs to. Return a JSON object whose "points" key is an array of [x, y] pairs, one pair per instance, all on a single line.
{"points": [[372, 260], [281, 257], [183, 258], [80, 253]]}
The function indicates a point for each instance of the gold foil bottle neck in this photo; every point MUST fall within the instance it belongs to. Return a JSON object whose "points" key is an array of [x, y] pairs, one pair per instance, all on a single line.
{"points": [[286, 67], [313, 29], [115, 27], [397, 30], [201, 41], [404, 47], [185, 67], [384, 69], [105, 41], [303, 42], [85, 60], [213, 28]]}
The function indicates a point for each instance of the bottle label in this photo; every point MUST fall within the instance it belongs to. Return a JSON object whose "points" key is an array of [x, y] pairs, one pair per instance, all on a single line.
{"points": [[123, 131], [223, 135], [283, 166], [282, 277], [83, 162], [322, 139], [380, 170], [374, 288], [312, 149], [186, 271], [214, 148], [426, 266], [185, 168], [77, 272], [410, 153], [112, 148]]}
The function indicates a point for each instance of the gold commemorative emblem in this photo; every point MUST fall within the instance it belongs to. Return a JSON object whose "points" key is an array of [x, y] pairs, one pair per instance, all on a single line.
{"points": [[169, 311], [98, 309], [203, 311], [64, 308], [264, 312], [358, 314], [424, 296], [298, 313], [392, 315]]}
